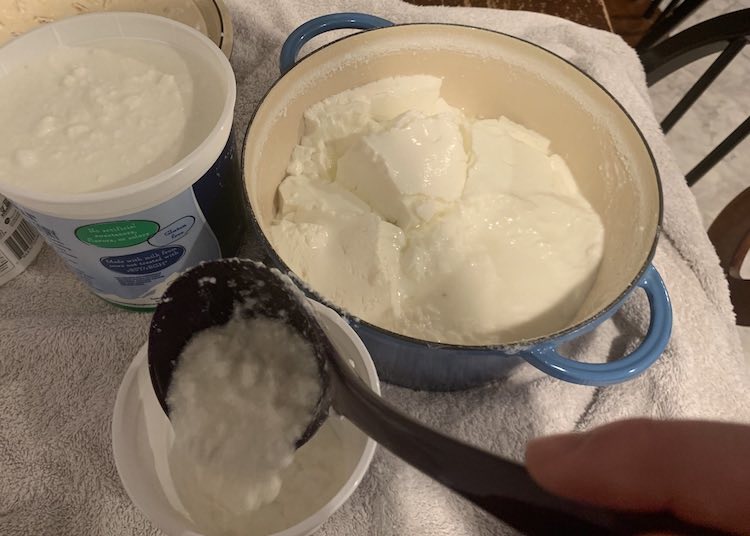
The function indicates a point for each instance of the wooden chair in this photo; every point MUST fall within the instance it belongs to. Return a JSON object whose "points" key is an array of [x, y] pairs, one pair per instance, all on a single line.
{"points": [[728, 34], [730, 235], [673, 14]]}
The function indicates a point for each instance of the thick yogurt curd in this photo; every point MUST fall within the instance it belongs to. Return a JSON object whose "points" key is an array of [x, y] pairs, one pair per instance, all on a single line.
{"points": [[418, 219]]}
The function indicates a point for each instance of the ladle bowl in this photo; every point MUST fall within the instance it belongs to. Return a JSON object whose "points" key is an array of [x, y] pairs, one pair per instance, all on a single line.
{"points": [[209, 295]]}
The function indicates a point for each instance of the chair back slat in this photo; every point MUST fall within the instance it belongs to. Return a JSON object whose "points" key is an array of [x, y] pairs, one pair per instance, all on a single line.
{"points": [[675, 12], [694, 43], [727, 34], [706, 79], [721, 150], [651, 9]]}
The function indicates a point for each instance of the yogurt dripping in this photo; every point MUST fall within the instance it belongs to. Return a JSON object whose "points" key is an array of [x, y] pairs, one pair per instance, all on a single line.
{"points": [[418, 219]]}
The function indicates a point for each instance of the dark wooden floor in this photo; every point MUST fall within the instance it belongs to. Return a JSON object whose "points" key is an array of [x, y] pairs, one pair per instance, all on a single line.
{"points": [[627, 18], [587, 12], [622, 16]]}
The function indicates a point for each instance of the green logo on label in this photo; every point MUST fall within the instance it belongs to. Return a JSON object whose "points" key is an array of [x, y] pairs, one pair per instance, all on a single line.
{"points": [[117, 234]]}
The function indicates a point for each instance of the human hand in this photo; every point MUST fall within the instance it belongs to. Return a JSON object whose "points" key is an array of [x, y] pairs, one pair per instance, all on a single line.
{"points": [[698, 471]]}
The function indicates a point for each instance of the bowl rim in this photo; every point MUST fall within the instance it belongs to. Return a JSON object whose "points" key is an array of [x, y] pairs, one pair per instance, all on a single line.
{"points": [[510, 347], [225, 39], [122, 454]]}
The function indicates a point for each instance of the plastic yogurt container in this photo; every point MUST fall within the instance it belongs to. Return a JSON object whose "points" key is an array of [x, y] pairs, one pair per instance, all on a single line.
{"points": [[128, 242]]}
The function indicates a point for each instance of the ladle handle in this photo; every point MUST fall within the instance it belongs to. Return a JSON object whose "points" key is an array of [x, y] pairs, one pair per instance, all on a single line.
{"points": [[501, 487]]}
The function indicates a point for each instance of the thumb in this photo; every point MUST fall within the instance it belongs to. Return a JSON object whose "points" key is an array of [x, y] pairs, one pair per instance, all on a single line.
{"points": [[699, 471]]}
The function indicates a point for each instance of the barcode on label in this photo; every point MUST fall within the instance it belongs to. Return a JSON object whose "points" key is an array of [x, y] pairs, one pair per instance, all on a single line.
{"points": [[22, 239], [5, 264]]}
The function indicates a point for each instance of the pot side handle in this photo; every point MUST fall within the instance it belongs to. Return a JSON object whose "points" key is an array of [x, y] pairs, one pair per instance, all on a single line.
{"points": [[547, 359], [323, 24]]}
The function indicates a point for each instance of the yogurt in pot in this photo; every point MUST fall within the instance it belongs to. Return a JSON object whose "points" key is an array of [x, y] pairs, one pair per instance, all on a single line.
{"points": [[424, 221], [486, 75], [119, 149]]}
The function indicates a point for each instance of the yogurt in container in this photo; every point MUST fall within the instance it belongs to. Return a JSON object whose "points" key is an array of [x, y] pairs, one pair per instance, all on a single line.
{"points": [[119, 149]]}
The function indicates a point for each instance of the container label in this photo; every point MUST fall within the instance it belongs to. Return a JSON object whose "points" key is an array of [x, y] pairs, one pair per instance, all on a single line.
{"points": [[19, 242], [117, 234], [147, 262], [131, 260]]}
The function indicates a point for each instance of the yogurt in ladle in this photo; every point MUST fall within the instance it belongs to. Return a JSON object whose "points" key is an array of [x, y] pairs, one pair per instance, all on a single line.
{"points": [[240, 397]]}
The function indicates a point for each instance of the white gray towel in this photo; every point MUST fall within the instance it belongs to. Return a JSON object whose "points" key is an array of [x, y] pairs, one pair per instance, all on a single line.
{"points": [[63, 352]]}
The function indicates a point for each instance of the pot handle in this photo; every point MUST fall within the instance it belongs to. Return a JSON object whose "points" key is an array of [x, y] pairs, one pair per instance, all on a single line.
{"points": [[314, 27], [547, 359]]}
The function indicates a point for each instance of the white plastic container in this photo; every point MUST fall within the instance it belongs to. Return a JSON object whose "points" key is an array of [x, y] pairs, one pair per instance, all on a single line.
{"points": [[142, 437], [20, 243], [126, 243]]}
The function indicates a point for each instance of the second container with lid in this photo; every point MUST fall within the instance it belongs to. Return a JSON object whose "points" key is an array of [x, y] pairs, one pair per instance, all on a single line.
{"points": [[127, 240]]}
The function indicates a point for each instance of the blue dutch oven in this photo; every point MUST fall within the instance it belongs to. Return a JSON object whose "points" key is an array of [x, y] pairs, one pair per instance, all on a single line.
{"points": [[486, 74]]}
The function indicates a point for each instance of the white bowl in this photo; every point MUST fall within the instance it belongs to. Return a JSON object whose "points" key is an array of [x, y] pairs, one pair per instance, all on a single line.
{"points": [[142, 437]]}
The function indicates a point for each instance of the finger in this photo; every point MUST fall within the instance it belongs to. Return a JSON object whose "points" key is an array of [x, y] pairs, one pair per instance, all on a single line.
{"points": [[699, 471]]}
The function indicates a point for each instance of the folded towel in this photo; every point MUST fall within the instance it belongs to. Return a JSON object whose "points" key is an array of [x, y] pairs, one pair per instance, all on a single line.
{"points": [[63, 352]]}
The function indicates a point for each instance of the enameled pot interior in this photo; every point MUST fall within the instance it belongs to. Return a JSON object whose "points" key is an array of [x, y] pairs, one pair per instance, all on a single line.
{"points": [[487, 75]]}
